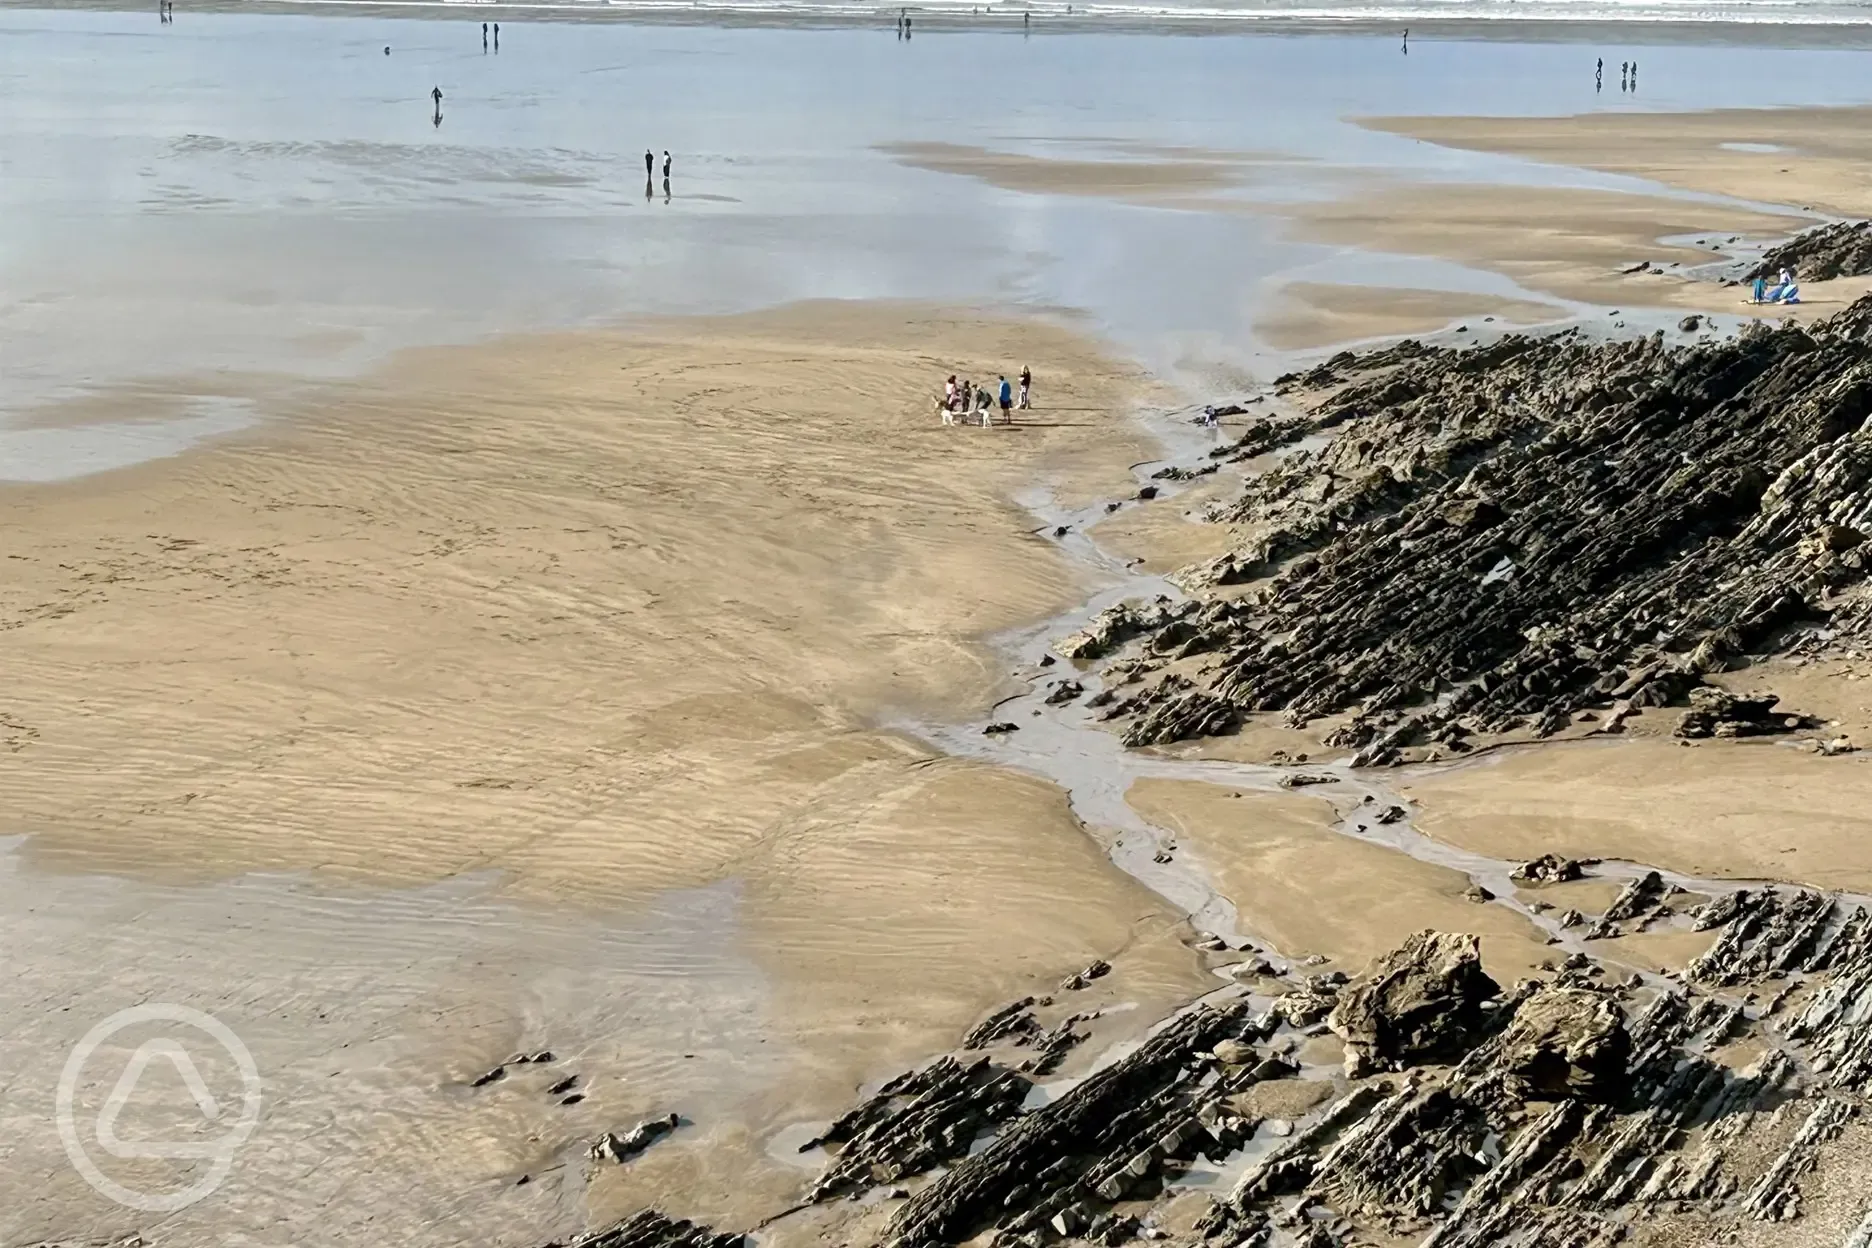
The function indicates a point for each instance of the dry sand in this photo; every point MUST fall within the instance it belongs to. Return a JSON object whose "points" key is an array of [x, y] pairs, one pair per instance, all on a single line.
{"points": [[1307, 889], [589, 623], [1322, 314], [1755, 810]]}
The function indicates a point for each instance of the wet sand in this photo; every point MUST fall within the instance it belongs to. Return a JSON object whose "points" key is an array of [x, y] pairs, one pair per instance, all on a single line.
{"points": [[1308, 889], [1133, 176], [589, 624], [1321, 314], [1814, 159], [546, 674]]}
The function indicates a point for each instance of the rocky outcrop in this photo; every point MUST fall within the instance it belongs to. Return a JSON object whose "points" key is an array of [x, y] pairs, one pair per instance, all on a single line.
{"points": [[1424, 1002], [915, 1123], [622, 1146], [1551, 869], [1566, 1042], [1497, 539], [1562, 1113], [1843, 249], [1108, 1137], [650, 1229]]}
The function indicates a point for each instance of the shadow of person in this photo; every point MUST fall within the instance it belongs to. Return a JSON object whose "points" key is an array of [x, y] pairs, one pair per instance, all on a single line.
{"points": [[666, 194], [437, 119], [649, 188]]}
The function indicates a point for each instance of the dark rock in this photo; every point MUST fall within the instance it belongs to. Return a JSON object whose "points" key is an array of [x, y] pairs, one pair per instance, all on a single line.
{"points": [[1064, 692], [1013, 1020], [1147, 492], [1422, 1002], [1566, 1042], [916, 1122], [1491, 539], [1718, 713], [650, 1229], [1690, 324], [1097, 970], [1843, 249], [1551, 869], [612, 1146], [998, 728]]}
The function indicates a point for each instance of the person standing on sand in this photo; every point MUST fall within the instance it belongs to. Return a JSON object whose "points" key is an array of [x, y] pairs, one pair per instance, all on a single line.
{"points": [[1026, 380], [949, 393], [497, 36], [649, 165], [1006, 398], [666, 164]]}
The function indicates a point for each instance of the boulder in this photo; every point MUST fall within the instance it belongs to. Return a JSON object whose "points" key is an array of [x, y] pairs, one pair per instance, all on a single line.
{"points": [[1566, 1042], [1550, 869], [1420, 1003]]}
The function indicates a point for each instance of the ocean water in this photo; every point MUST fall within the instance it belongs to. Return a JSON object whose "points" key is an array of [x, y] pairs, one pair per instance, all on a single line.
{"points": [[1816, 13], [202, 216]]}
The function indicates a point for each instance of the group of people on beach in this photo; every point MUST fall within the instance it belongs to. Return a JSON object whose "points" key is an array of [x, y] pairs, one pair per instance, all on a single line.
{"points": [[1785, 290], [1627, 75], [963, 402]]}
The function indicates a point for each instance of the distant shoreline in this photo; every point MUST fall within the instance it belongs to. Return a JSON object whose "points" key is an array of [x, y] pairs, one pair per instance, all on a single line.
{"points": [[1051, 18]]}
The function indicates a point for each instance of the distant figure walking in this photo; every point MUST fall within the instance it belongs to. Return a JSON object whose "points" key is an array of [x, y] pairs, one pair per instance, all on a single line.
{"points": [[906, 25], [1026, 21], [1026, 380], [1407, 41], [666, 164], [1006, 399], [497, 36], [484, 36], [386, 50], [436, 95], [1634, 75], [649, 165]]}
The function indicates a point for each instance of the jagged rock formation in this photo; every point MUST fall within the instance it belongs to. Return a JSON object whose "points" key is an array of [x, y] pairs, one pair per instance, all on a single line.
{"points": [[1556, 1114], [1502, 538], [1566, 1042], [1105, 1137], [915, 1123], [1843, 249], [615, 1146], [650, 1229]]}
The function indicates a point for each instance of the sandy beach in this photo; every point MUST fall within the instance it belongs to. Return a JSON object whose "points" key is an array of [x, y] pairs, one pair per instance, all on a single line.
{"points": [[494, 608]]}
